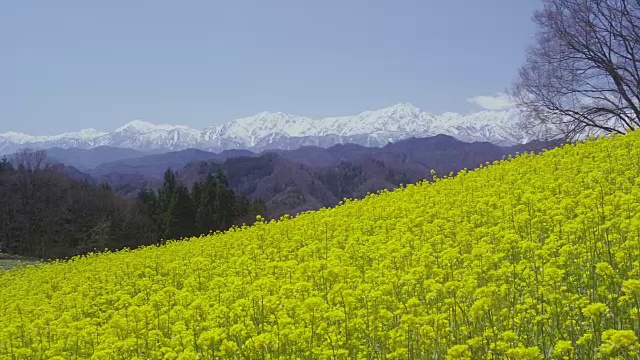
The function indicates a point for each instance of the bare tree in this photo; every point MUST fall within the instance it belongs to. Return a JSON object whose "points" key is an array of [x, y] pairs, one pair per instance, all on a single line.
{"points": [[31, 160], [31, 169], [582, 74], [29, 163]]}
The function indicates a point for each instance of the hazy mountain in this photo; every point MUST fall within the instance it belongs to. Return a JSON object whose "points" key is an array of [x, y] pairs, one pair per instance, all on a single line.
{"points": [[85, 159], [155, 165], [291, 181]]}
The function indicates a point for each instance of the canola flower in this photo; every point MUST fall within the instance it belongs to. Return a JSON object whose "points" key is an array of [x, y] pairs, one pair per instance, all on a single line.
{"points": [[536, 257]]}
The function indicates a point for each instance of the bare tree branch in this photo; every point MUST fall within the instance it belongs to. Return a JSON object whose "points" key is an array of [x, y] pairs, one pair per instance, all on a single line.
{"points": [[582, 74]]}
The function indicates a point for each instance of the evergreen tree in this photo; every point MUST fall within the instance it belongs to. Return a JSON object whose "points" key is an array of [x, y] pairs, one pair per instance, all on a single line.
{"points": [[148, 198], [241, 207], [164, 222], [226, 201], [179, 215], [165, 193], [205, 198], [150, 208], [211, 205]]}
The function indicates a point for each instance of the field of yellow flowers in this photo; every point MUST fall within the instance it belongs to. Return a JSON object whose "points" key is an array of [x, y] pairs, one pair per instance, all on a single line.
{"points": [[535, 257]]}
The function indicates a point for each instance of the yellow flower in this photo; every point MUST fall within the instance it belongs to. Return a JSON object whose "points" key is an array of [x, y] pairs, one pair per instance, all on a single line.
{"points": [[595, 309], [524, 353], [619, 341], [481, 265], [564, 349], [459, 352]]}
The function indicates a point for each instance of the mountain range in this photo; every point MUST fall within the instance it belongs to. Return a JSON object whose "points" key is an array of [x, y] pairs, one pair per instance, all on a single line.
{"points": [[267, 130]]}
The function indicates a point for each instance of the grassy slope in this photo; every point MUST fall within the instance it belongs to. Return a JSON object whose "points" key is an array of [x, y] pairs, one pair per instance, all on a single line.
{"points": [[537, 257], [12, 261]]}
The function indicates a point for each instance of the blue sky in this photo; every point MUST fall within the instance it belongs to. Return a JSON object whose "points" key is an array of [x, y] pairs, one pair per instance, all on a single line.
{"points": [[68, 65]]}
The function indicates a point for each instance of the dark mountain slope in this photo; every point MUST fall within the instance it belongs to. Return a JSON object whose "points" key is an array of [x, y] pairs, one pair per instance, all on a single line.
{"points": [[86, 159], [154, 166], [310, 177]]}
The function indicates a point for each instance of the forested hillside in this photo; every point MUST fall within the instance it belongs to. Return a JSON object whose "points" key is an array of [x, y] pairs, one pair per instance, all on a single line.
{"points": [[308, 178], [47, 213]]}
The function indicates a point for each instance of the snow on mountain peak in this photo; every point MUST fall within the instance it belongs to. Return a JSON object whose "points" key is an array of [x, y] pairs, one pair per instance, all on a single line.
{"points": [[16, 137], [401, 107], [85, 134], [140, 126], [270, 130], [270, 114], [20, 138], [251, 129], [398, 111]]}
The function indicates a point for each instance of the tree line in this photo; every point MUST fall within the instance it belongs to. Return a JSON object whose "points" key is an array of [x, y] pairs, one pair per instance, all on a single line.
{"points": [[46, 214], [211, 205]]}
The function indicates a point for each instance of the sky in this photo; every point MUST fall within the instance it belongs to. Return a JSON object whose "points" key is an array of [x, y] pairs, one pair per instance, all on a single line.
{"points": [[69, 65]]}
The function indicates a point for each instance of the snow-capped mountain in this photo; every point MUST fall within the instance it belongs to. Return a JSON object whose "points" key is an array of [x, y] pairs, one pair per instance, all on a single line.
{"points": [[285, 131]]}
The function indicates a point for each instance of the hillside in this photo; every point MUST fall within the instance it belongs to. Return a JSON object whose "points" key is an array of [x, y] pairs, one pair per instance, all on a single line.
{"points": [[85, 159], [533, 257], [310, 177]]}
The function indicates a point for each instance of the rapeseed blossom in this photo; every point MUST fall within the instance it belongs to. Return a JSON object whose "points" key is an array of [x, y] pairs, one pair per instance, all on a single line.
{"points": [[531, 257]]}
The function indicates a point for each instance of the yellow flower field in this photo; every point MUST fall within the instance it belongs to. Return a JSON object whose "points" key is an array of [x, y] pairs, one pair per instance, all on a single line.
{"points": [[536, 257]]}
